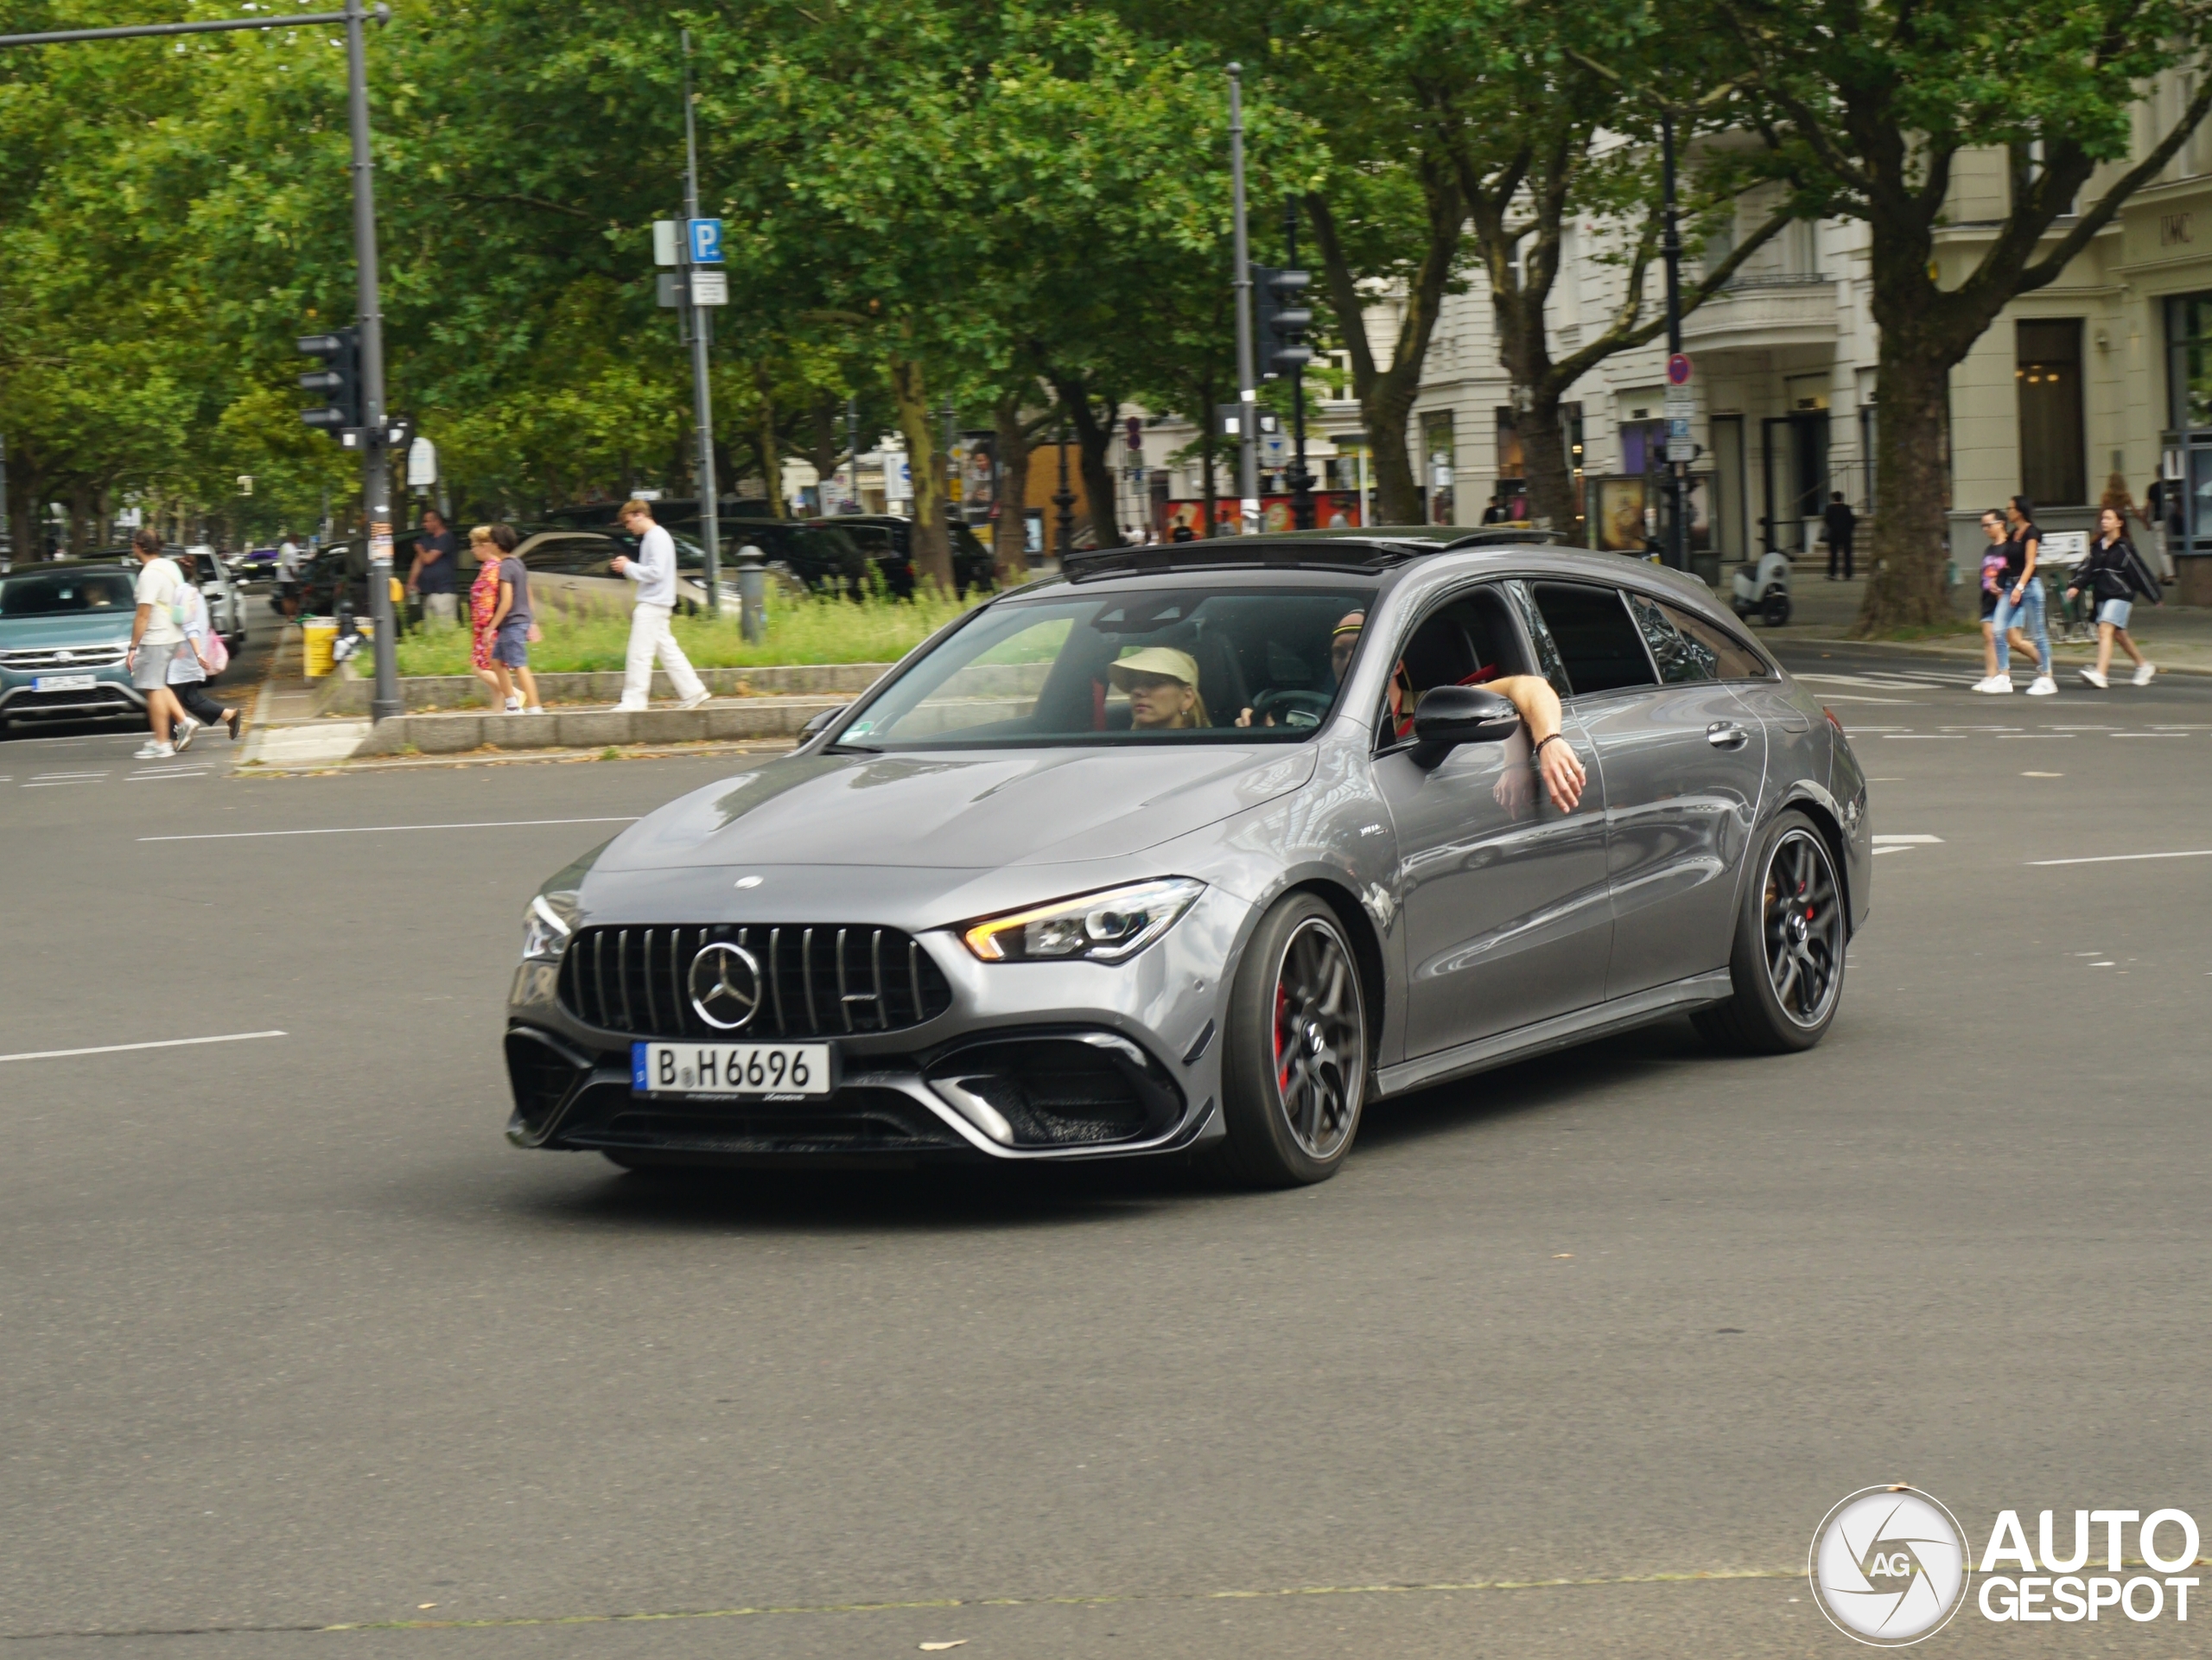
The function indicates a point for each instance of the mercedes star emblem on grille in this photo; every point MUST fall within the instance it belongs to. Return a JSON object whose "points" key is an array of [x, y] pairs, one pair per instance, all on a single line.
{"points": [[725, 984]]}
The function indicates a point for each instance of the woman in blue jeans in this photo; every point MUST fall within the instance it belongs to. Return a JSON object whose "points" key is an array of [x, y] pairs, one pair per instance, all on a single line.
{"points": [[2020, 604]]}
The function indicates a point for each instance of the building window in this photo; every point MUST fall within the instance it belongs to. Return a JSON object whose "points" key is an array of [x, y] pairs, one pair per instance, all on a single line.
{"points": [[1439, 461], [2054, 466], [2188, 361]]}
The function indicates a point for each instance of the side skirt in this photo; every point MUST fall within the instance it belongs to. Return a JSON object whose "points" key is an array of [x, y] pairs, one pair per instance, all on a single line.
{"points": [[1561, 1031]]}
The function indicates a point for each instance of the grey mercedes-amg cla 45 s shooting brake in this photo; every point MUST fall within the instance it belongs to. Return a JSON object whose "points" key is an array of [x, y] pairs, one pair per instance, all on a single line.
{"points": [[1199, 849]]}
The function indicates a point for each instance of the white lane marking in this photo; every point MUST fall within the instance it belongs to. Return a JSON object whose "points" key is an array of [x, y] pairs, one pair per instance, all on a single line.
{"points": [[1861, 698], [2043, 775], [118, 1048], [2150, 734], [1878, 852], [1932, 737], [62, 783], [2124, 858], [195, 772], [67, 775], [372, 829], [1908, 841]]}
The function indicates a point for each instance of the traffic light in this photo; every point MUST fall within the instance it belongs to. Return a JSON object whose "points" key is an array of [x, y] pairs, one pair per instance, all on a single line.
{"points": [[339, 380], [1283, 317]]}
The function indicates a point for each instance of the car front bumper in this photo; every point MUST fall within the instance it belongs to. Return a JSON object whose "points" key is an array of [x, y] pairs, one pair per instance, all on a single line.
{"points": [[111, 695], [1031, 1062]]}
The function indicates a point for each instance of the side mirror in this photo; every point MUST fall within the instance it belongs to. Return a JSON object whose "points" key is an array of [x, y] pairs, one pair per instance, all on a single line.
{"points": [[1447, 717], [815, 728]]}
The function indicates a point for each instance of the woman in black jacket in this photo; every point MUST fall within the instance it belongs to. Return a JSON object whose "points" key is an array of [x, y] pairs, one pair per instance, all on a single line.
{"points": [[2114, 573]]}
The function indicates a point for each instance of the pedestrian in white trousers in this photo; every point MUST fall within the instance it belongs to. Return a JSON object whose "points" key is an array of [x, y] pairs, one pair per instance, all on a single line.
{"points": [[654, 572]]}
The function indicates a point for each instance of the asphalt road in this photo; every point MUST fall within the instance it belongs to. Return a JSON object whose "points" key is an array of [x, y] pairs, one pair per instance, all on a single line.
{"points": [[290, 1338]]}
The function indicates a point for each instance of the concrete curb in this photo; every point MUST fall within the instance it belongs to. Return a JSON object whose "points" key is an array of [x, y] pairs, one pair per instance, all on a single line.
{"points": [[750, 719], [1971, 653], [763, 750], [465, 693]]}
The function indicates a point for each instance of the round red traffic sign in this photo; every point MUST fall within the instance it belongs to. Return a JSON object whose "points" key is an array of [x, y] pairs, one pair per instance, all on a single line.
{"points": [[1678, 369]]}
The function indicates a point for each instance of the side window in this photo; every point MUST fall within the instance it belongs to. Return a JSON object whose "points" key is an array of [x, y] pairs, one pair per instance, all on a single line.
{"points": [[1548, 657], [1598, 644], [1732, 659], [1468, 640], [1680, 660]]}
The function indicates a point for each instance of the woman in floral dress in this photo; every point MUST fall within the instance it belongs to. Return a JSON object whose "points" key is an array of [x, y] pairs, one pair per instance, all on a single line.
{"points": [[483, 605]]}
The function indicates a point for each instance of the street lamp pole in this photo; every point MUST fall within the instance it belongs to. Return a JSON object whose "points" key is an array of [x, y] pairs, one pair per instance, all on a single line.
{"points": [[1677, 542], [1248, 378], [1301, 481], [376, 468]]}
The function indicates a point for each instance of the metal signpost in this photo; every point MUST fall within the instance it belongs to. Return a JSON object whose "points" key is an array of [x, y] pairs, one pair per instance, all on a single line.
{"points": [[703, 246], [375, 474]]}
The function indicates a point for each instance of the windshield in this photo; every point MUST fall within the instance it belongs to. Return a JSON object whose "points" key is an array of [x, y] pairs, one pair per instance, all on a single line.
{"points": [[63, 594], [1154, 664]]}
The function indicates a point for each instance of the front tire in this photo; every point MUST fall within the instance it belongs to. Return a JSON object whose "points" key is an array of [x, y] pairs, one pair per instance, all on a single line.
{"points": [[1776, 610], [1295, 1072], [1787, 965]]}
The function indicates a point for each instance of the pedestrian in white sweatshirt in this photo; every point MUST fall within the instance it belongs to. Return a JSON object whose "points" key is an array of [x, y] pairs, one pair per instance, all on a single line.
{"points": [[654, 572]]}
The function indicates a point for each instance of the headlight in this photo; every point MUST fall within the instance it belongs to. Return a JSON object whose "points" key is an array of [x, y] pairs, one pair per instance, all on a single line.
{"points": [[544, 931], [1104, 927]]}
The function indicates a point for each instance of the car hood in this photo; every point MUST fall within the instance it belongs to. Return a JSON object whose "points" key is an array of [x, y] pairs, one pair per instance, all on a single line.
{"points": [[52, 634], [965, 810]]}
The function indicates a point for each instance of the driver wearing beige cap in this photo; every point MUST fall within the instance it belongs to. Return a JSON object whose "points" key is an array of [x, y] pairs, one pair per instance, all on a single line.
{"points": [[1163, 687]]}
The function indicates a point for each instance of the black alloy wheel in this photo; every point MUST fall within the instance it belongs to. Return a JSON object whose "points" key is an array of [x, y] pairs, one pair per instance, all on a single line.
{"points": [[1295, 1070], [1787, 967]]}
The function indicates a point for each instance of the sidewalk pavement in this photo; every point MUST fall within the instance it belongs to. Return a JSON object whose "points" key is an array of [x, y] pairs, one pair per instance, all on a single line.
{"points": [[2173, 636]]}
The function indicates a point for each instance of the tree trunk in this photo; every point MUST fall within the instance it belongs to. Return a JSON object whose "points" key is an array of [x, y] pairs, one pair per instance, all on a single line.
{"points": [[1010, 526], [1209, 396], [824, 450], [26, 504], [1545, 463], [770, 446], [933, 542], [1386, 396], [1094, 439], [1911, 538]]}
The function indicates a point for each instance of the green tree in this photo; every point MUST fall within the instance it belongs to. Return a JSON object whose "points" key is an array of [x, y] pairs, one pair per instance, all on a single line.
{"points": [[1867, 109]]}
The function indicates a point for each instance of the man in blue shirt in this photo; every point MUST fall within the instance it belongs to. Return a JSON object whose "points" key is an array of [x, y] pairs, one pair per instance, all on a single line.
{"points": [[431, 575]]}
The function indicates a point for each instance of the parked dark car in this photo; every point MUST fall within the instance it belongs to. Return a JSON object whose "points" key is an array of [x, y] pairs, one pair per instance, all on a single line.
{"points": [[993, 910], [344, 566], [888, 539]]}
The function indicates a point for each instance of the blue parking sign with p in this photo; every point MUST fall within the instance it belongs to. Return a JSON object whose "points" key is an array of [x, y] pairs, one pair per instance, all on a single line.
{"points": [[706, 241]]}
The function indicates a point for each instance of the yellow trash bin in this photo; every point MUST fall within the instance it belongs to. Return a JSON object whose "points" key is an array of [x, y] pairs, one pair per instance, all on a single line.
{"points": [[317, 634]]}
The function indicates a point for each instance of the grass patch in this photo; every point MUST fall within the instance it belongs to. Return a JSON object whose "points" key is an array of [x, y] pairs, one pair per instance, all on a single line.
{"points": [[874, 629]]}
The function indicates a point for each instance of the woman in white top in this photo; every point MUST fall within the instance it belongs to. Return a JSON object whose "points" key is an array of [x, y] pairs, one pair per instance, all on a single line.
{"points": [[189, 668]]}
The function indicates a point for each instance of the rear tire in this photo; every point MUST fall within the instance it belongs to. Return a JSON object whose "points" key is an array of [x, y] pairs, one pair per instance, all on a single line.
{"points": [[1294, 1070], [1787, 965], [1774, 611]]}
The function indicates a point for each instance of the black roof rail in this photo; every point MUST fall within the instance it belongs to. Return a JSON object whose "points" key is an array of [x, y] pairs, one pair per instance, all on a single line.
{"points": [[1497, 538]]}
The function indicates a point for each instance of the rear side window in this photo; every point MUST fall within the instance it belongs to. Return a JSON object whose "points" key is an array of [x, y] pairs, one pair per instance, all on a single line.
{"points": [[1682, 660], [1599, 645], [1732, 659]]}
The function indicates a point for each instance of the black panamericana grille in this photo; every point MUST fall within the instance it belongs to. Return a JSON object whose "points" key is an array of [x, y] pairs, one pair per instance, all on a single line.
{"points": [[817, 981]]}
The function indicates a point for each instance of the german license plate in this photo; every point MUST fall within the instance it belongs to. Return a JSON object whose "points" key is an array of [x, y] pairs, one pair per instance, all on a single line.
{"points": [[779, 1071], [64, 682]]}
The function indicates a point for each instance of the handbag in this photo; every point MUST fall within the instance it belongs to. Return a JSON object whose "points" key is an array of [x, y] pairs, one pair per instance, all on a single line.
{"points": [[214, 653]]}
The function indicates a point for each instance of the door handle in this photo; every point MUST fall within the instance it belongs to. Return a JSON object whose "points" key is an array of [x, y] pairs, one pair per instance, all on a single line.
{"points": [[1726, 734]]}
